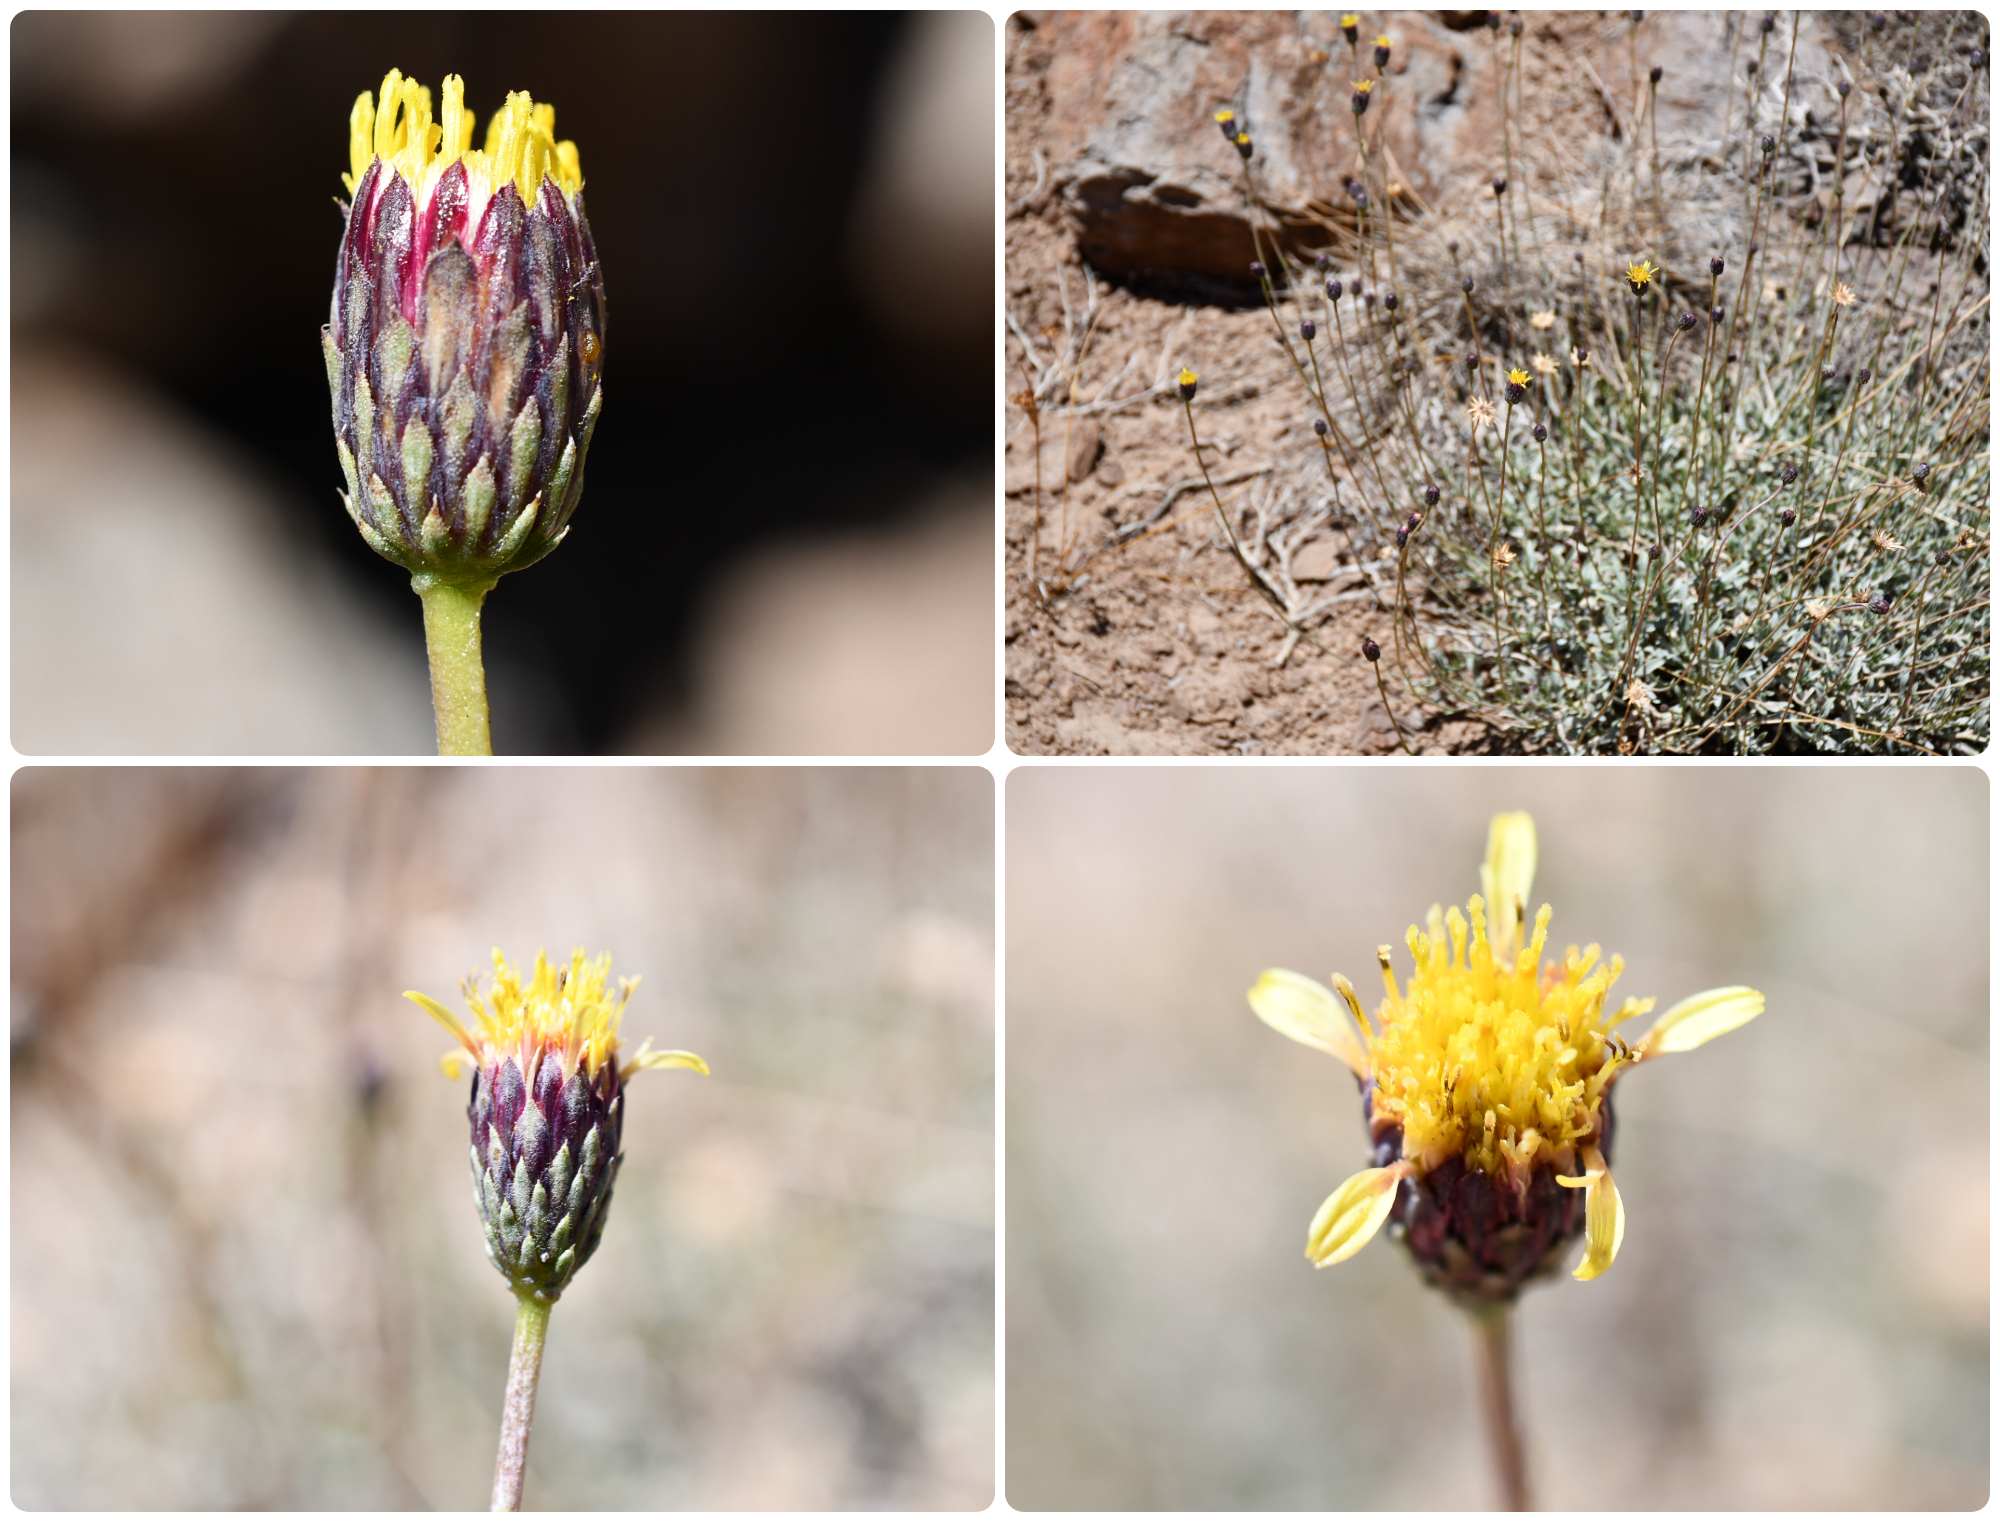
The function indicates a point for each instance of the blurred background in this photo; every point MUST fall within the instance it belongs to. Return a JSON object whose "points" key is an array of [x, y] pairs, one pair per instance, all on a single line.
{"points": [[1799, 1315], [246, 1269], [786, 543]]}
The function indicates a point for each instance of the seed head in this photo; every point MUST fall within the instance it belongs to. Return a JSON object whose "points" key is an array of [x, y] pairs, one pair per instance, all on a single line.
{"points": [[1541, 364], [1843, 294], [1542, 321]]}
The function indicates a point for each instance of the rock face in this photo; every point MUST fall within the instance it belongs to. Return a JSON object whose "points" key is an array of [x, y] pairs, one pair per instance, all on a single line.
{"points": [[1153, 190]]}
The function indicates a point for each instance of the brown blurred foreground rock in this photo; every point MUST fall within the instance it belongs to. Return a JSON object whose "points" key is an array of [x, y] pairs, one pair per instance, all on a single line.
{"points": [[1132, 150]]}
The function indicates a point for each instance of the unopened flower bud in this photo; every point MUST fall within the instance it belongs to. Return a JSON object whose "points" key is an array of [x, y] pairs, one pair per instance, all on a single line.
{"points": [[1499, 184], [1654, 74], [1842, 88], [1514, 27], [1389, 300], [466, 344], [1880, 604], [1307, 329], [1465, 284], [1319, 426], [1750, 67], [1715, 314], [1767, 143], [1769, 22], [1789, 516], [1698, 516], [1430, 495], [1257, 268], [1402, 537], [1541, 434], [1865, 374], [1789, 474], [1333, 290], [1688, 320], [1371, 650], [1187, 380], [1381, 53], [1323, 262], [1715, 265]]}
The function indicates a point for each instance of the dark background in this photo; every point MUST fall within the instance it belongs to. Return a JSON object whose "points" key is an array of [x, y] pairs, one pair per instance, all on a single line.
{"points": [[751, 387]]}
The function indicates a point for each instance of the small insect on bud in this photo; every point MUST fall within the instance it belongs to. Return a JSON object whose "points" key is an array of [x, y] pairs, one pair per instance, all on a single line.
{"points": [[1430, 495], [1187, 379], [1688, 320], [1789, 516], [1880, 604], [1499, 184], [1789, 474], [1257, 268], [1541, 434], [1654, 73], [1389, 300], [1371, 650], [1715, 265], [1465, 284], [1308, 329]]}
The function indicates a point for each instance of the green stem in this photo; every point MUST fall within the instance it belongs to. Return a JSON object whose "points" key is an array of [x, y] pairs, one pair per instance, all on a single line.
{"points": [[1496, 1398], [524, 1370], [458, 675]]}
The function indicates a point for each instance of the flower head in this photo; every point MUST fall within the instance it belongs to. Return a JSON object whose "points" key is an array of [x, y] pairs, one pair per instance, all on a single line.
{"points": [[547, 1110], [1843, 294], [1187, 381], [1543, 319], [1362, 89], [1541, 364], [1486, 1082], [466, 342], [1479, 412], [1351, 25], [1641, 275]]}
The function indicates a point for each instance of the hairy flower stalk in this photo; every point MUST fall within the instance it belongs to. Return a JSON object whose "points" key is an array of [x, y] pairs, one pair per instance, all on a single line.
{"points": [[1486, 1082], [547, 1113], [465, 356]]}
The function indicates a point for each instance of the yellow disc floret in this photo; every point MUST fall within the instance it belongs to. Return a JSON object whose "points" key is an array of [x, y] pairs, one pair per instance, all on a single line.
{"points": [[566, 1012], [521, 145], [1481, 1058]]}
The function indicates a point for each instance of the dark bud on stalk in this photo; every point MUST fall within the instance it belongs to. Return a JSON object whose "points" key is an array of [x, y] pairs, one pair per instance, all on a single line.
{"points": [[1493, 21], [1541, 434], [1698, 516], [1514, 27], [1257, 268], [1402, 537], [1842, 88], [1319, 426], [1977, 58], [1371, 650], [1880, 605], [1655, 551], [1688, 320], [1637, 17], [1413, 520], [1788, 517], [1323, 263], [1753, 247], [1333, 290], [1499, 184], [1715, 265], [1465, 284], [1944, 557], [1750, 67], [1361, 199], [1381, 56], [1360, 102], [1369, 297], [1308, 329], [1877, 21], [1789, 474], [1472, 359], [1244, 147], [1452, 248], [1654, 74], [1769, 23], [1769, 144], [1865, 374], [1921, 475], [1582, 353], [1578, 256], [1352, 32], [1715, 314], [1389, 300], [1730, 358], [1515, 391], [1430, 496], [1919, 470]]}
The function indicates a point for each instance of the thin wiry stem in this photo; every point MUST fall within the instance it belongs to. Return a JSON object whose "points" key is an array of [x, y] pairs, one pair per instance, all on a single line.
{"points": [[524, 1372], [1492, 1334]]}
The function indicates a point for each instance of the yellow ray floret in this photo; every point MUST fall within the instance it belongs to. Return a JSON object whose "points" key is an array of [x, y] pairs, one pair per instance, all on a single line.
{"points": [[1642, 273], [521, 145], [568, 1013]]}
